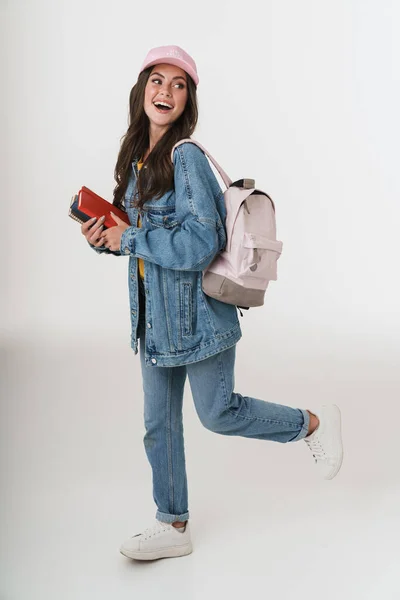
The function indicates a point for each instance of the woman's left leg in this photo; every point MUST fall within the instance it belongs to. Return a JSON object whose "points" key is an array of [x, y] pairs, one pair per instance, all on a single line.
{"points": [[224, 411]]}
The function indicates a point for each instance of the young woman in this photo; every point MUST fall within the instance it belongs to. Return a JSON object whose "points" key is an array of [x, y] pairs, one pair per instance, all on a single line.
{"points": [[177, 213]]}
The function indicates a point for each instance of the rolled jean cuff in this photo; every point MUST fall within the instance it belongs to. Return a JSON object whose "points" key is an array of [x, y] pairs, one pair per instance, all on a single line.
{"points": [[306, 426], [167, 518]]}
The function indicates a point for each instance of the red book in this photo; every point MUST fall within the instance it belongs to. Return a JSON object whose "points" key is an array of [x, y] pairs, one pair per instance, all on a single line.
{"points": [[86, 204]]}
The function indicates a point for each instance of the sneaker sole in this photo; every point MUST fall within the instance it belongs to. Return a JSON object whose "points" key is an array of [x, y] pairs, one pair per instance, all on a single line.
{"points": [[338, 422], [172, 552]]}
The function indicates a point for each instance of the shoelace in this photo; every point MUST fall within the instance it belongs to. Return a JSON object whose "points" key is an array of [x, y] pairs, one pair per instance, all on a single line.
{"points": [[317, 449], [156, 528]]}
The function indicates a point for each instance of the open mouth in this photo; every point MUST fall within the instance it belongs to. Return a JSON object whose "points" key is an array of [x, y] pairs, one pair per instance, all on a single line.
{"points": [[161, 107]]}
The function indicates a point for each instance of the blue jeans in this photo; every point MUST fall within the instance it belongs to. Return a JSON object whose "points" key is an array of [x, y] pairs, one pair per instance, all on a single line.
{"points": [[219, 408]]}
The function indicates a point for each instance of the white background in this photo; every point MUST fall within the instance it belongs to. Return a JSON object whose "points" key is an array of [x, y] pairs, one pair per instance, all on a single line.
{"points": [[304, 97]]}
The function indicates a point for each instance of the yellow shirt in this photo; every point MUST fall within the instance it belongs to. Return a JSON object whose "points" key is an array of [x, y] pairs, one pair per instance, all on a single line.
{"points": [[140, 260]]}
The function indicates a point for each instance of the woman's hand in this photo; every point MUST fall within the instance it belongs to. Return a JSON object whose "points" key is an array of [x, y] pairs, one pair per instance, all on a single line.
{"points": [[93, 231], [112, 236]]}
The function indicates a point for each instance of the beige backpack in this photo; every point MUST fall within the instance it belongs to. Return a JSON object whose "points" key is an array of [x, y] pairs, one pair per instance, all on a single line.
{"points": [[240, 274]]}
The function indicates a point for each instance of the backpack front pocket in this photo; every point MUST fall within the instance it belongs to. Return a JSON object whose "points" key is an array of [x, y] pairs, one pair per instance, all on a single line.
{"points": [[259, 257]]}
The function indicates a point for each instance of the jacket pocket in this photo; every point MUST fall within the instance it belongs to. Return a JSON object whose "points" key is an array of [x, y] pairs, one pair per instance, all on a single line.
{"points": [[187, 313], [167, 220]]}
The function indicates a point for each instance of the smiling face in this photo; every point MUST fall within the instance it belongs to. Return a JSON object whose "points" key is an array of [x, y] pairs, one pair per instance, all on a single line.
{"points": [[166, 84]]}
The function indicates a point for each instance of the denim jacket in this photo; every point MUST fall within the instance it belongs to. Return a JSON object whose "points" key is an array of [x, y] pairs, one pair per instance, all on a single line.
{"points": [[180, 236]]}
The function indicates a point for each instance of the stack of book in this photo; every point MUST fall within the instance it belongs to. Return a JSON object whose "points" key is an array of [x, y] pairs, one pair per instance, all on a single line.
{"points": [[86, 204]]}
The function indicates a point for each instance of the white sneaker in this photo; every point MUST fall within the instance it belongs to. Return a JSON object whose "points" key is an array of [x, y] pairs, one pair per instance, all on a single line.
{"points": [[162, 540], [325, 442]]}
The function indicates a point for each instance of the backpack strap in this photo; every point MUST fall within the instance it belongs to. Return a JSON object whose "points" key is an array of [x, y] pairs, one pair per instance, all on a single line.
{"points": [[227, 181]]}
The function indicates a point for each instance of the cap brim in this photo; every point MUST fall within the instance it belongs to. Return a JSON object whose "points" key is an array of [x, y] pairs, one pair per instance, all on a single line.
{"points": [[176, 62]]}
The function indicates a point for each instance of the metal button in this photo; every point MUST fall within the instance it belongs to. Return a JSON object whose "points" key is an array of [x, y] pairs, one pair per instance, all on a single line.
{"points": [[149, 325], [153, 360], [126, 250]]}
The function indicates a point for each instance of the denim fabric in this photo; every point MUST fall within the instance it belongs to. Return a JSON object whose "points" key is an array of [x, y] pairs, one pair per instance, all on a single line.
{"points": [[181, 234], [219, 408]]}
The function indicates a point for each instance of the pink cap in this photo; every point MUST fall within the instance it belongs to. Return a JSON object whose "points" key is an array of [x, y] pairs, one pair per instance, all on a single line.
{"points": [[172, 55]]}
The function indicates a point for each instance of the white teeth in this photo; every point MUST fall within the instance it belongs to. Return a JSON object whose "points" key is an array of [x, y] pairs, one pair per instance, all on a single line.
{"points": [[162, 104]]}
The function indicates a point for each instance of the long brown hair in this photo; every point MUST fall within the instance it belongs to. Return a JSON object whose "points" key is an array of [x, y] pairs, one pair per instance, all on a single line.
{"points": [[158, 177]]}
